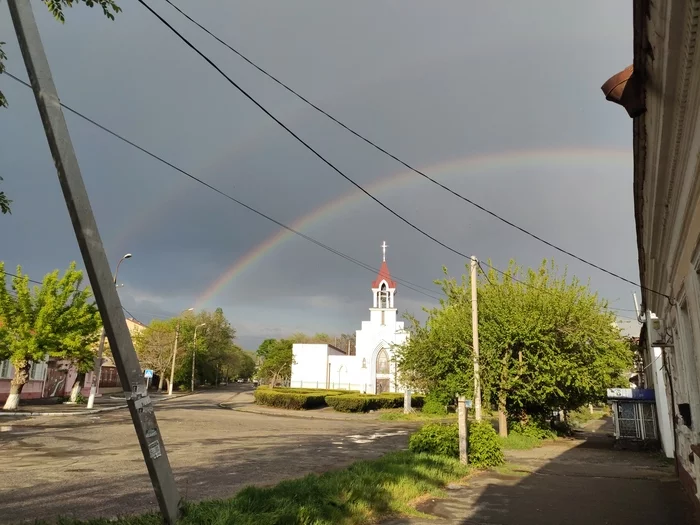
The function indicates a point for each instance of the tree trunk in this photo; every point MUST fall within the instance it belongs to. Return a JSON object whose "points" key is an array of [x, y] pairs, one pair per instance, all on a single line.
{"points": [[160, 381], [77, 387], [17, 384], [502, 419]]}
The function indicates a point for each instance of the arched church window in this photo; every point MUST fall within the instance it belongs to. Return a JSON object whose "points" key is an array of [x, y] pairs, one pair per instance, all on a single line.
{"points": [[383, 296], [383, 362]]}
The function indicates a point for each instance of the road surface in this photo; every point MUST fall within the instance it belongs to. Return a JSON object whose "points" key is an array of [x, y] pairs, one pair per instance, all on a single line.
{"points": [[91, 466]]}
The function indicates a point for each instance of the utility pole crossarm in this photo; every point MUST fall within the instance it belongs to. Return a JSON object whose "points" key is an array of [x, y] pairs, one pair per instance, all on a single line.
{"points": [[94, 258]]}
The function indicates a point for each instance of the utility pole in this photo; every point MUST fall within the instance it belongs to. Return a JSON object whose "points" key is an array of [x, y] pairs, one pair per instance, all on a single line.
{"points": [[463, 429], [95, 259], [172, 368], [97, 372], [475, 344], [194, 351]]}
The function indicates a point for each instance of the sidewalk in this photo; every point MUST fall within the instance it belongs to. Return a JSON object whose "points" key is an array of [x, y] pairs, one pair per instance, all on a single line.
{"points": [[579, 481], [106, 403]]}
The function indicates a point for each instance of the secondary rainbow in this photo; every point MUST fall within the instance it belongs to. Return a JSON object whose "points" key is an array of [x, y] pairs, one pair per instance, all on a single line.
{"points": [[477, 164]]}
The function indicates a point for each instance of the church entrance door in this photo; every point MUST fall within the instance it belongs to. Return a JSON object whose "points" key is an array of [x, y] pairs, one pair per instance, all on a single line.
{"points": [[383, 385]]}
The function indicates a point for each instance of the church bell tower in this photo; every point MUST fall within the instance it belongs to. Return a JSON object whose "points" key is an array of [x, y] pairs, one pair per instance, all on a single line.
{"points": [[383, 311]]}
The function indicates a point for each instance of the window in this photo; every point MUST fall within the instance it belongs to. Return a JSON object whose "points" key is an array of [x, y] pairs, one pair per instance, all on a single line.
{"points": [[37, 371], [383, 296], [382, 362], [5, 370]]}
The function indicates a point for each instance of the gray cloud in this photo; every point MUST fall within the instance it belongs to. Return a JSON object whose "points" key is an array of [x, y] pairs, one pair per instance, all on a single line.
{"points": [[431, 84]]}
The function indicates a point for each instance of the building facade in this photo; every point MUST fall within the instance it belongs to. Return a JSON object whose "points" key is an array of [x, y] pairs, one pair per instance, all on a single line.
{"points": [[55, 377], [373, 368], [661, 91]]}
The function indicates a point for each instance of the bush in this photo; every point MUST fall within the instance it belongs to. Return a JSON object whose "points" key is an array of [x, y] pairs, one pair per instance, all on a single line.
{"points": [[537, 428], [289, 400], [484, 445], [435, 438], [436, 403], [367, 402]]}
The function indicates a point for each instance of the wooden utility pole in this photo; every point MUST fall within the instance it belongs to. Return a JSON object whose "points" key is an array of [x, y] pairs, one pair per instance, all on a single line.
{"points": [[463, 429], [475, 343], [95, 259]]}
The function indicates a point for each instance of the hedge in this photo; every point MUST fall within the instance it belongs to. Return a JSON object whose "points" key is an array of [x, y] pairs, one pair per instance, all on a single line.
{"points": [[289, 400], [294, 398], [484, 445], [367, 402]]}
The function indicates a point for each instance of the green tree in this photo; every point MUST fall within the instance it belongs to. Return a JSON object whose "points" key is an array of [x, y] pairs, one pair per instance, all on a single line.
{"points": [[277, 363], [56, 7], [154, 346], [546, 342], [55, 319]]}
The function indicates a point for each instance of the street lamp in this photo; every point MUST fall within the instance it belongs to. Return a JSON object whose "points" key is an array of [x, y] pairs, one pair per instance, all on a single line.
{"points": [[97, 372], [172, 369], [194, 351]]}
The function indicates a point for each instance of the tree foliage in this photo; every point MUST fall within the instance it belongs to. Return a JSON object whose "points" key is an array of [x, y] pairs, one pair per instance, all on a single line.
{"points": [[216, 354], [55, 319], [546, 342], [277, 361]]}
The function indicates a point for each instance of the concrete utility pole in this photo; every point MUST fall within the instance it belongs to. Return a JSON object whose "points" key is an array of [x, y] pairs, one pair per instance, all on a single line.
{"points": [[95, 259], [172, 368], [194, 351], [97, 372], [463, 429], [475, 335]]}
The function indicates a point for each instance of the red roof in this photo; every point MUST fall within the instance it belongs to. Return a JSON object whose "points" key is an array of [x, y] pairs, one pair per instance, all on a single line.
{"points": [[383, 275]]}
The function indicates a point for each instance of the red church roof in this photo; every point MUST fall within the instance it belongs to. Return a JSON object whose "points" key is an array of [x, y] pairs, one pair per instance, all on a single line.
{"points": [[383, 275]]}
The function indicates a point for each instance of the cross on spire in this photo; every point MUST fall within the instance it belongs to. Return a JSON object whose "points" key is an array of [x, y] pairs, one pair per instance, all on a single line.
{"points": [[384, 247]]}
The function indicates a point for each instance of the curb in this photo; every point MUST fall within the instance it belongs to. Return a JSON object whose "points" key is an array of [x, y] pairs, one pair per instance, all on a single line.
{"points": [[85, 412]]}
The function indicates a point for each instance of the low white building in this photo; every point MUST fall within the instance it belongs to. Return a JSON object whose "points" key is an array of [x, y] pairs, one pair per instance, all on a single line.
{"points": [[373, 367]]}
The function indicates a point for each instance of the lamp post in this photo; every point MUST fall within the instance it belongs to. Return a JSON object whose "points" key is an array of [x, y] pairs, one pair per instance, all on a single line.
{"points": [[97, 372], [194, 351], [172, 369]]}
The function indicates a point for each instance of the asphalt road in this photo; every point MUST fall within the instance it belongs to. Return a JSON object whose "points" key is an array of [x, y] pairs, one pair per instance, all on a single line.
{"points": [[91, 466]]}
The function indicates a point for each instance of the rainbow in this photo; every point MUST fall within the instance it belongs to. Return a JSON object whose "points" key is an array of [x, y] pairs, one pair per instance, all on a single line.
{"points": [[472, 165]]}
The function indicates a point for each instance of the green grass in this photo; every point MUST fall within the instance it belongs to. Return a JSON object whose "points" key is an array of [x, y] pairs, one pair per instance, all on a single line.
{"points": [[365, 492], [516, 441], [398, 415]]}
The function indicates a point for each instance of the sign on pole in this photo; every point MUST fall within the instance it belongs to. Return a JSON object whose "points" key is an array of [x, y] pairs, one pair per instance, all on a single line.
{"points": [[148, 373]]}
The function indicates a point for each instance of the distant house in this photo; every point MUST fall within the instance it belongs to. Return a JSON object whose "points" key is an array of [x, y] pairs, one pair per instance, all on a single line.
{"points": [[55, 377]]}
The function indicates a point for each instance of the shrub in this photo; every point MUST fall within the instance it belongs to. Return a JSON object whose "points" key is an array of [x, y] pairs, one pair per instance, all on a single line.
{"points": [[435, 438], [289, 400], [367, 402], [537, 428], [484, 445], [436, 403]]}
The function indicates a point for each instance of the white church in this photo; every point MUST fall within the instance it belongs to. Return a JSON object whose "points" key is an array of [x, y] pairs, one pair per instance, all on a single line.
{"points": [[372, 369]]}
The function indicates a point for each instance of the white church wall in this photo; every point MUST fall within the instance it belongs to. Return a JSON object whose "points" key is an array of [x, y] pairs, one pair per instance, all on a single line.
{"points": [[309, 365], [347, 373]]}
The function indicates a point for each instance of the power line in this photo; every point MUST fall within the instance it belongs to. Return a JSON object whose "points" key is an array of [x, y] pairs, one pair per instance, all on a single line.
{"points": [[299, 139], [408, 284], [388, 153], [359, 186]]}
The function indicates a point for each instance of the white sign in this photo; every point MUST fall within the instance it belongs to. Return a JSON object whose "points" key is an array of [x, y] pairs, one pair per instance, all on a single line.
{"points": [[148, 373]]}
